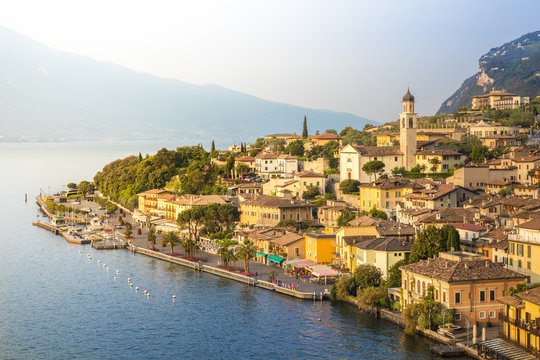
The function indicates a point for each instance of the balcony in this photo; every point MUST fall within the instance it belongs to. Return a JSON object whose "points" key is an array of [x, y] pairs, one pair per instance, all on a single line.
{"points": [[531, 327]]}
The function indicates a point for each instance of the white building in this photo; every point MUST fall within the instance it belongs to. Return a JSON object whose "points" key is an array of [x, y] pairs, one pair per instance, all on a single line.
{"points": [[270, 165]]}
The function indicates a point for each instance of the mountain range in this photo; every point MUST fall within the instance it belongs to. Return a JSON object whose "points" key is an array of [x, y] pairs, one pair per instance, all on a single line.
{"points": [[512, 67], [46, 94]]}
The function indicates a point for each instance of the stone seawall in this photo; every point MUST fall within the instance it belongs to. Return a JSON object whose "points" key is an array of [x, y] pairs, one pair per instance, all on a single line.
{"points": [[223, 273]]}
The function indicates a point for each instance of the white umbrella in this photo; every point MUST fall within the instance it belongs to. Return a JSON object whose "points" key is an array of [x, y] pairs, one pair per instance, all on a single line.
{"points": [[483, 334], [474, 334]]}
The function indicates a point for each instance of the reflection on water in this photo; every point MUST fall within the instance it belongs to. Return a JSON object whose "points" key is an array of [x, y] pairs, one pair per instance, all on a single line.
{"points": [[55, 303]]}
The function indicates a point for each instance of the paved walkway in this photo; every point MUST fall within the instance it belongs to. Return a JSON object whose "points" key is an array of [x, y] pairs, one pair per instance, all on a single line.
{"points": [[262, 271]]}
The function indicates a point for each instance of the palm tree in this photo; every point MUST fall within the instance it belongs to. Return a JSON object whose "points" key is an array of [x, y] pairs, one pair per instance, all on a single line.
{"points": [[170, 238], [190, 247], [152, 237], [247, 252], [227, 255]]}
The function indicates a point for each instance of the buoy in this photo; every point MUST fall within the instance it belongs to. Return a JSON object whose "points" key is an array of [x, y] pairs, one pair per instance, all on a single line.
{"points": [[80, 251], [89, 258], [104, 265], [130, 285], [174, 296], [115, 278], [147, 294], [99, 261], [145, 291], [118, 271], [129, 279], [87, 254], [319, 319], [108, 269]]}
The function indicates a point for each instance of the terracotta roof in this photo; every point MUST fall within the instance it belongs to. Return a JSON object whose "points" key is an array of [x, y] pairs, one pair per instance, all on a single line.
{"points": [[384, 244], [530, 158], [267, 155], [532, 296], [153, 191], [287, 239], [454, 215], [533, 224], [384, 227], [287, 157], [377, 150], [512, 301], [469, 227], [309, 174], [433, 194], [198, 200], [245, 158], [452, 271], [438, 152], [276, 202], [494, 94], [320, 235], [326, 136], [393, 183], [496, 235], [500, 182]]}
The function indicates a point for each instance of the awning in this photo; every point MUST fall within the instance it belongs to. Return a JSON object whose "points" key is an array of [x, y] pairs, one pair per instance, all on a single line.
{"points": [[300, 263], [261, 254], [275, 258], [323, 270]]}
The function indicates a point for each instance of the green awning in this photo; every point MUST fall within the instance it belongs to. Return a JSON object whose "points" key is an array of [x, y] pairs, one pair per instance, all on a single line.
{"points": [[261, 254], [275, 258]]}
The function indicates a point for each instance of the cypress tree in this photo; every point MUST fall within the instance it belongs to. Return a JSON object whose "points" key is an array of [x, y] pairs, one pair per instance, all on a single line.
{"points": [[304, 130], [140, 157], [213, 148]]}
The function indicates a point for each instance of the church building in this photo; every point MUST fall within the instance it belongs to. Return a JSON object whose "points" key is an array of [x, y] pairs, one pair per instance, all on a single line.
{"points": [[353, 157]]}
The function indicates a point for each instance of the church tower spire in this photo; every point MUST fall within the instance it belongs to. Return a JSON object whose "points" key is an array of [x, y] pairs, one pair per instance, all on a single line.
{"points": [[407, 131]]}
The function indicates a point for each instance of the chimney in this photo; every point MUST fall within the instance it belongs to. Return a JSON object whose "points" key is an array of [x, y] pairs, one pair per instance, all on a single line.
{"points": [[466, 265]]}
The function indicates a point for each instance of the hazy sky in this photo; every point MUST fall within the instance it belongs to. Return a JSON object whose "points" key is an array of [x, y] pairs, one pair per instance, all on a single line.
{"points": [[352, 56]]}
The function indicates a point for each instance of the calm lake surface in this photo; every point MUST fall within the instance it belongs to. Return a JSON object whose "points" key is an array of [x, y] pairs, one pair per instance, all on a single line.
{"points": [[56, 304]]}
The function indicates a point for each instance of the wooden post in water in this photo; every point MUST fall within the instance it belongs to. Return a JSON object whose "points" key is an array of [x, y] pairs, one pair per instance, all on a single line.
{"points": [[25, 197]]}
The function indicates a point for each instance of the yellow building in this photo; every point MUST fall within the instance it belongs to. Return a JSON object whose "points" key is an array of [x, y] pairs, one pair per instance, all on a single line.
{"points": [[325, 138], [384, 193], [438, 160], [387, 138], [462, 281], [381, 252], [319, 247], [524, 248], [498, 100], [521, 319], [307, 179], [366, 228], [268, 210]]}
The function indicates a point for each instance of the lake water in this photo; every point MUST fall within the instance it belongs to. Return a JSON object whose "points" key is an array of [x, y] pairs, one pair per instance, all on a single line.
{"points": [[57, 304]]}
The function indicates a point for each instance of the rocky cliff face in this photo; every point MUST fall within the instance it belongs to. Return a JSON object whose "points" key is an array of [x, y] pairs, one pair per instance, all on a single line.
{"points": [[512, 67]]}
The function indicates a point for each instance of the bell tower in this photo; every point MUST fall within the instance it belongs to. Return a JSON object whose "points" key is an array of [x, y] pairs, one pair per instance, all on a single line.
{"points": [[407, 131]]}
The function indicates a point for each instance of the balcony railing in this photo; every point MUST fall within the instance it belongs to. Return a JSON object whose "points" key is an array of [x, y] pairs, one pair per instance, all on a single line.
{"points": [[533, 328]]}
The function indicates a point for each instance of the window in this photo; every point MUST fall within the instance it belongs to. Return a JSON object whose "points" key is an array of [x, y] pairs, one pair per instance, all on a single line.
{"points": [[444, 296], [405, 284], [520, 249], [511, 262], [483, 295], [482, 315], [528, 265], [395, 158], [457, 317], [388, 195], [457, 297], [529, 251], [519, 264], [297, 251], [492, 314], [491, 295]]}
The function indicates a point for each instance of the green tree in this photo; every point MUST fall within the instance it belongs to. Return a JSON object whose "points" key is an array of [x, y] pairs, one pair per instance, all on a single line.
{"points": [[296, 148], [72, 186], [247, 252], [374, 167], [346, 217], [399, 171], [190, 247], [376, 213], [171, 239], [304, 129], [128, 233], [394, 274], [507, 191], [434, 164], [191, 219], [468, 142], [213, 146], [151, 237], [225, 251], [450, 236], [242, 169], [367, 275], [331, 131], [370, 297], [479, 153], [86, 187], [343, 288], [427, 244], [310, 192], [349, 186]]}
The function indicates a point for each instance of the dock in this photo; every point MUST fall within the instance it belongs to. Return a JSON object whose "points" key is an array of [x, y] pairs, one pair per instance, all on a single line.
{"points": [[108, 245], [447, 350]]}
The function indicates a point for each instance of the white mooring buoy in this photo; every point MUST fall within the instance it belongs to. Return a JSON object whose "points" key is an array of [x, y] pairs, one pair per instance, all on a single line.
{"points": [[130, 285], [174, 297], [115, 278], [129, 279], [137, 288]]}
